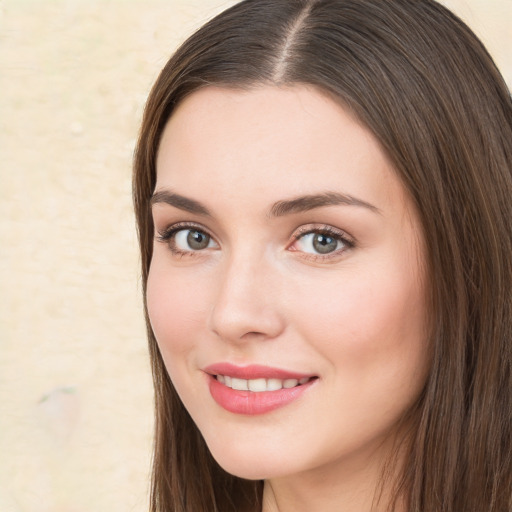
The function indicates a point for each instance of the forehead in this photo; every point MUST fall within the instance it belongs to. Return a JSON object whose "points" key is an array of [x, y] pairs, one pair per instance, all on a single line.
{"points": [[271, 142]]}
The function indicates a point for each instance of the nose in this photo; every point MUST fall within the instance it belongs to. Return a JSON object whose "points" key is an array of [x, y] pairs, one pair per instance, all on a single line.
{"points": [[246, 305]]}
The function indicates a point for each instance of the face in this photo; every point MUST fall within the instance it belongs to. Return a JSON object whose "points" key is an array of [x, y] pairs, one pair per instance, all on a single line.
{"points": [[286, 290]]}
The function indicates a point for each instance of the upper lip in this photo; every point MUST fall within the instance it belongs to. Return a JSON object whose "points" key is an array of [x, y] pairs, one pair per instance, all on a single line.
{"points": [[253, 371]]}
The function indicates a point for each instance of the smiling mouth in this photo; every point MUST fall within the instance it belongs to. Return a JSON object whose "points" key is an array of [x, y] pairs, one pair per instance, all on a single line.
{"points": [[261, 385], [256, 389]]}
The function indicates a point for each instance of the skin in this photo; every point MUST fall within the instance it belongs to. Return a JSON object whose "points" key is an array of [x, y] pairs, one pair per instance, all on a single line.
{"points": [[260, 293]]}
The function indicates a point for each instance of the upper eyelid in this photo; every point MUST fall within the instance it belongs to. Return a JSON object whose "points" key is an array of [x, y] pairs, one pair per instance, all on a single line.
{"points": [[178, 226], [323, 228]]}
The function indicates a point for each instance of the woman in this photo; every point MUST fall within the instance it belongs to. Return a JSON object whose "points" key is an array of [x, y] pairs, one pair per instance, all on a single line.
{"points": [[322, 191]]}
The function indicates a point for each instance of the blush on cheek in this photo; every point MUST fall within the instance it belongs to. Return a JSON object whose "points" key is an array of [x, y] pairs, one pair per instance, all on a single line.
{"points": [[174, 312], [370, 315]]}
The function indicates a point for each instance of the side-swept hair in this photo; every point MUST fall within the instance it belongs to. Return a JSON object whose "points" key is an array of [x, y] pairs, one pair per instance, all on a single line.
{"points": [[427, 89]]}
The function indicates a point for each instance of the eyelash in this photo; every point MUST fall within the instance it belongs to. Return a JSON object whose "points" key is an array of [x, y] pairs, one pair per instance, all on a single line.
{"points": [[167, 236]]}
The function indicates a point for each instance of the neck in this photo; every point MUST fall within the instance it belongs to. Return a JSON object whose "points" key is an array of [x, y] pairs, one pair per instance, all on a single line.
{"points": [[351, 488]]}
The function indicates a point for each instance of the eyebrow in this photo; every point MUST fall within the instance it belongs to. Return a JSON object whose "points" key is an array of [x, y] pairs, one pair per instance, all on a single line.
{"points": [[278, 209], [310, 202], [181, 202]]}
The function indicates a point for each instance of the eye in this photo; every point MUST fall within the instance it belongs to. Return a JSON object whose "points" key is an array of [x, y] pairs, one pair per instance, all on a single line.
{"points": [[186, 240], [325, 241], [191, 239]]}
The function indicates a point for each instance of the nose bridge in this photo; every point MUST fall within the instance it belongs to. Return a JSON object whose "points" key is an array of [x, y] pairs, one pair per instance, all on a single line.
{"points": [[246, 302]]}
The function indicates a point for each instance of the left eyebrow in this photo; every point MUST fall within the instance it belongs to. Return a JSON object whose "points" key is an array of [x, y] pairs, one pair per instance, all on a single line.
{"points": [[310, 202], [181, 202]]}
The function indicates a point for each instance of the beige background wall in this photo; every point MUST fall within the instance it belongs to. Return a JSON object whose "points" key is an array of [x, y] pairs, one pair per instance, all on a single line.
{"points": [[75, 396]]}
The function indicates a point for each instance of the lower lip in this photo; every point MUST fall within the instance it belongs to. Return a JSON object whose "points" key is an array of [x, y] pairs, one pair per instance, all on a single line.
{"points": [[252, 403]]}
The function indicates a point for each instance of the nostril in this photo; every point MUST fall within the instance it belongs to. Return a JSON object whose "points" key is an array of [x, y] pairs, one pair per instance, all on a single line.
{"points": [[253, 335]]}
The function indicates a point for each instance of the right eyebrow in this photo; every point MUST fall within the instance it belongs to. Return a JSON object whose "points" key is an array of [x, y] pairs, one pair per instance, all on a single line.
{"points": [[181, 202]]}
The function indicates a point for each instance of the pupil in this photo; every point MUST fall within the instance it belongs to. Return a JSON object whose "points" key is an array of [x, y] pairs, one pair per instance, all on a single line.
{"points": [[324, 243], [197, 240]]}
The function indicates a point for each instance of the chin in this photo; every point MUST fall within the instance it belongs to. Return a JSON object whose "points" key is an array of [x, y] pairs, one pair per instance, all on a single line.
{"points": [[254, 465], [242, 469]]}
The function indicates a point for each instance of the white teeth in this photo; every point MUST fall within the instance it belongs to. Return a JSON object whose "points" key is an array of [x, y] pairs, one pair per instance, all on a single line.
{"points": [[274, 384], [290, 383], [239, 384], [259, 385]]}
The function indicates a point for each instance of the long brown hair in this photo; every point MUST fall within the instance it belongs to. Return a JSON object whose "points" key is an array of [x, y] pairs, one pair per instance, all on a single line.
{"points": [[430, 93]]}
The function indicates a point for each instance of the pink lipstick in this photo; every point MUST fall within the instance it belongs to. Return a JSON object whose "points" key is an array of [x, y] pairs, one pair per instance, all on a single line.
{"points": [[255, 389]]}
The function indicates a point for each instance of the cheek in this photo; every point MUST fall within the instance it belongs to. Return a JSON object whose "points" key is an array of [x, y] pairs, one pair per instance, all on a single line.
{"points": [[368, 323], [175, 309]]}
